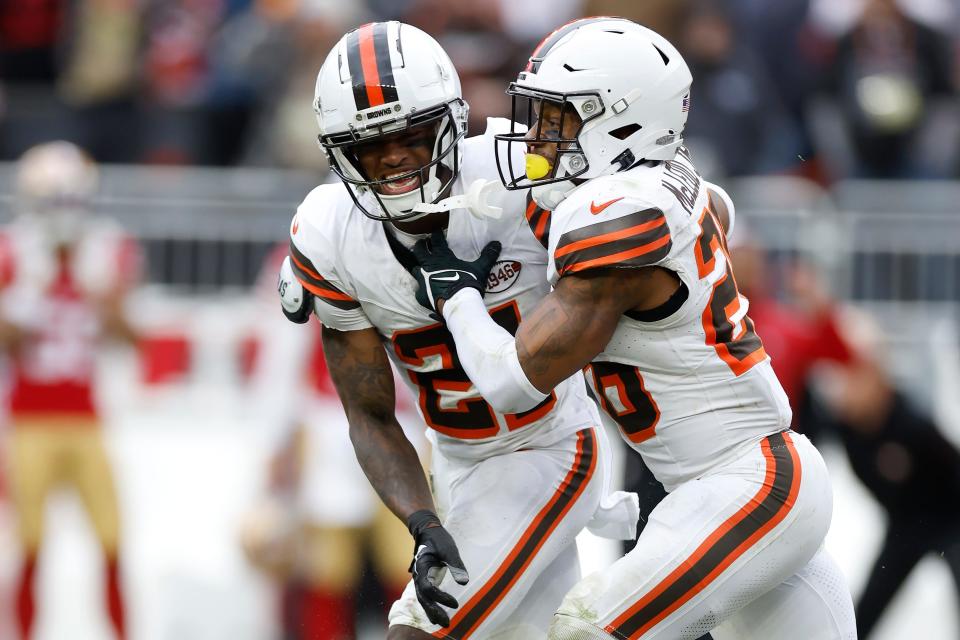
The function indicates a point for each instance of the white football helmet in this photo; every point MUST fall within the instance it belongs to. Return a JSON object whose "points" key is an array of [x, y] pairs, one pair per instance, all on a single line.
{"points": [[55, 186], [381, 79], [630, 88]]}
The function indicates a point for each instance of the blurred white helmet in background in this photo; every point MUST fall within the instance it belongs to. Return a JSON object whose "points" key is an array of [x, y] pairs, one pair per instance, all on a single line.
{"points": [[379, 80], [629, 86], [56, 183]]}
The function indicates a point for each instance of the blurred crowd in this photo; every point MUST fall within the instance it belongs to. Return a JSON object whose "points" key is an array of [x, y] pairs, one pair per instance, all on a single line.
{"points": [[827, 89], [824, 89]]}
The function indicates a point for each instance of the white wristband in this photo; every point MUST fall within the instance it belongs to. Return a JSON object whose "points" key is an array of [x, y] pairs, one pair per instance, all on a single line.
{"points": [[487, 351]]}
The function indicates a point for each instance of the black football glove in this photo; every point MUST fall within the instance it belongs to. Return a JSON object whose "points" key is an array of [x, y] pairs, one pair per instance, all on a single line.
{"points": [[440, 273], [434, 551]]}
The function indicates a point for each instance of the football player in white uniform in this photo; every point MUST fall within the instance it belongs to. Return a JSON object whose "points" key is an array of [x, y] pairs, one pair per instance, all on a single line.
{"points": [[513, 488], [645, 299]]}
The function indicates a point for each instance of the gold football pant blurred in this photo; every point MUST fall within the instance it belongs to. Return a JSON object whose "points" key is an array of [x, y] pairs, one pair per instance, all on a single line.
{"points": [[330, 567], [62, 451]]}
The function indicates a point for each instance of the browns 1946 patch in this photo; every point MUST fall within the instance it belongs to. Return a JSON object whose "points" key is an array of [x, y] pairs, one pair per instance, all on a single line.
{"points": [[503, 275]]}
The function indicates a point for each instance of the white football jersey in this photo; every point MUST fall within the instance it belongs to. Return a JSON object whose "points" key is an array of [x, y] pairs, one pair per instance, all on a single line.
{"points": [[689, 384], [344, 258]]}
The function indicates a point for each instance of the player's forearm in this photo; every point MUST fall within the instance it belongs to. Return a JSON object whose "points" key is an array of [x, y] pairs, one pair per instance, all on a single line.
{"points": [[570, 327], [488, 354], [361, 372], [116, 325], [118, 328], [11, 336], [390, 463]]}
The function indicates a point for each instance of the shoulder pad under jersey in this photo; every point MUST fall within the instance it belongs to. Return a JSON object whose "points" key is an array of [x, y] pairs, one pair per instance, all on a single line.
{"points": [[316, 255], [607, 223]]}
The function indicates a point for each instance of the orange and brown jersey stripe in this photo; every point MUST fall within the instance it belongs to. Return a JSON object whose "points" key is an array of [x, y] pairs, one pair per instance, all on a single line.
{"points": [[316, 284], [539, 221], [472, 613], [638, 239], [742, 530], [368, 59]]}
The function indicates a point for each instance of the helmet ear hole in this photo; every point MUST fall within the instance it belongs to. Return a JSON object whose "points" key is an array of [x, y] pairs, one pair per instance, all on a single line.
{"points": [[627, 130]]}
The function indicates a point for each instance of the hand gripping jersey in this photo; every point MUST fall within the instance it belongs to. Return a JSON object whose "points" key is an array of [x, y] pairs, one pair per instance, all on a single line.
{"points": [[689, 384], [346, 260], [52, 300]]}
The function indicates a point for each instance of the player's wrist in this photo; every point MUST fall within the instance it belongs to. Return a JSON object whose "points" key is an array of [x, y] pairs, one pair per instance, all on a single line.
{"points": [[420, 520], [466, 297]]}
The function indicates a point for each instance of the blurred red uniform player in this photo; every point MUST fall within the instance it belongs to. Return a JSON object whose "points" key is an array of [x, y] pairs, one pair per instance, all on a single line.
{"points": [[64, 276], [894, 448], [322, 522], [797, 336]]}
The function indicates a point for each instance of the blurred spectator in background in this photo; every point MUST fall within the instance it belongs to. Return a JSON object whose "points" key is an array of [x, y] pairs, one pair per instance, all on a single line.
{"points": [[906, 463], [98, 81], [294, 37], [30, 34], [69, 70], [485, 45], [65, 276], [320, 525], [666, 17], [798, 336], [793, 52], [738, 125], [227, 82], [837, 388], [889, 75]]}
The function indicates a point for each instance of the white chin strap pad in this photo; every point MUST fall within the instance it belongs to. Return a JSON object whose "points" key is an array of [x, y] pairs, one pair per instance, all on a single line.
{"points": [[549, 196], [476, 200]]}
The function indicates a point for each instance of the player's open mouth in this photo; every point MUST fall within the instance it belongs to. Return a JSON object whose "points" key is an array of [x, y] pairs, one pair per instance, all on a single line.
{"points": [[398, 187]]}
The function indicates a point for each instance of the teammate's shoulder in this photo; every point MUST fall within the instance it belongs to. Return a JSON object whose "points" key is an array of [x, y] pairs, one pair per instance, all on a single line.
{"points": [[497, 126], [479, 153], [482, 143], [604, 198], [608, 223]]}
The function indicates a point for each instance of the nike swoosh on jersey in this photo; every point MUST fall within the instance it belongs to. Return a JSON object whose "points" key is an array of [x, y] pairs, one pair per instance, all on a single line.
{"points": [[595, 209], [452, 278]]}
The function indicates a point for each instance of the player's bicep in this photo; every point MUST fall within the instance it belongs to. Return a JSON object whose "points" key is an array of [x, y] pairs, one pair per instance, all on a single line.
{"points": [[361, 372], [569, 327]]}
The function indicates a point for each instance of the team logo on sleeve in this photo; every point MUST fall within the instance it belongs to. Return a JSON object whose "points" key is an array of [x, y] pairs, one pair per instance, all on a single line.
{"points": [[503, 275]]}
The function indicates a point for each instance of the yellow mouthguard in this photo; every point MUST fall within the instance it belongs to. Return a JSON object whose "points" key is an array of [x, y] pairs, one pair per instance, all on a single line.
{"points": [[537, 166]]}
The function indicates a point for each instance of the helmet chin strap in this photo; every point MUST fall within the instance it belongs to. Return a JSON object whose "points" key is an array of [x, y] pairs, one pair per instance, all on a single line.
{"points": [[549, 196], [476, 200]]}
